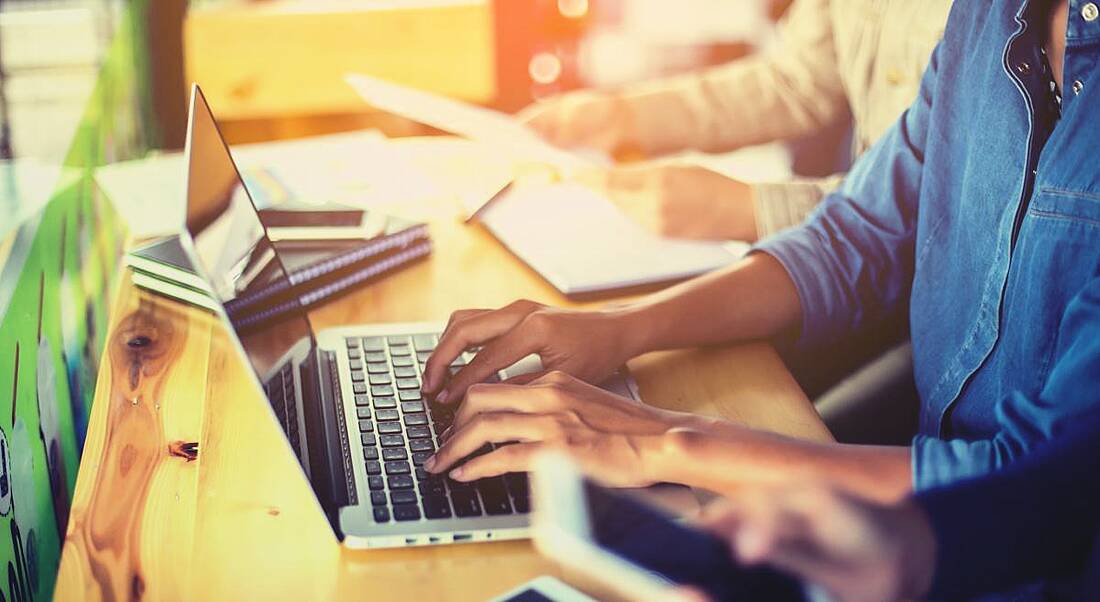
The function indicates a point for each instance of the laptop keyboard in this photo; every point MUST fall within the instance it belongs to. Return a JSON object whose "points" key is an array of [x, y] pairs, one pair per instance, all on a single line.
{"points": [[280, 392], [399, 430]]}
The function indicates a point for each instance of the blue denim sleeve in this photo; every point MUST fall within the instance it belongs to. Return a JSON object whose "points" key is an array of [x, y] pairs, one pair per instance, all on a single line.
{"points": [[852, 261], [1068, 393]]}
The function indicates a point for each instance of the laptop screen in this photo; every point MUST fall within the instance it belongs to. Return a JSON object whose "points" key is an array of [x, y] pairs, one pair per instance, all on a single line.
{"points": [[231, 244]]}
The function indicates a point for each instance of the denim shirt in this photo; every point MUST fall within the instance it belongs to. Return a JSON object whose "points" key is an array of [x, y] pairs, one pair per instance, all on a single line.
{"points": [[981, 211]]}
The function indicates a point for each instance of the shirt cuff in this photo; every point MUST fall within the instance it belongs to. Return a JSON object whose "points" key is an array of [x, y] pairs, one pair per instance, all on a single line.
{"points": [[781, 205], [936, 462], [799, 251]]}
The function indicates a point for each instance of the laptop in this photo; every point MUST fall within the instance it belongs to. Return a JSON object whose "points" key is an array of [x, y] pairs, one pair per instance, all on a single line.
{"points": [[347, 399]]}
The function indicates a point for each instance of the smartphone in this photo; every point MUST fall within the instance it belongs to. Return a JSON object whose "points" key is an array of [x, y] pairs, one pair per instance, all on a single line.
{"points": [[543, 589], [635, 550], [306, 223]]}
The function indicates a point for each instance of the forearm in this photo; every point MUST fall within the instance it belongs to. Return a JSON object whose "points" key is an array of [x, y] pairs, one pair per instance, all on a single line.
{"points": [[724, 460], [752, 299]]}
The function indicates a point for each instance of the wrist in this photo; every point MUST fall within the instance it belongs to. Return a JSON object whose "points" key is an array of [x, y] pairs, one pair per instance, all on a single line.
{"points": [[633, 329], [917, 557]]}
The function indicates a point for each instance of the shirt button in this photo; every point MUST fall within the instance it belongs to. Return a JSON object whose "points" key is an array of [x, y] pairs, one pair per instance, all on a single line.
{"points": [[1077, 86], [1089, 12], [1023, 68]]}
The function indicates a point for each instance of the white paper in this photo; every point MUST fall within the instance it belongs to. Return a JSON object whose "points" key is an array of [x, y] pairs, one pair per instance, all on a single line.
{"points": [[464, 119], [581, 243]]}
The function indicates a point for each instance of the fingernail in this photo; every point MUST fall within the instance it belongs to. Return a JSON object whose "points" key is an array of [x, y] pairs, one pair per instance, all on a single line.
{"points": [[456, 474], [750, 544], [443, 396], [429, 464]]}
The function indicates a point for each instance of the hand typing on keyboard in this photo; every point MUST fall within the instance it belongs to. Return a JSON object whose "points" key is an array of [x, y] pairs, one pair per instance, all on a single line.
{"points": [[612, 437], [589, 345]]}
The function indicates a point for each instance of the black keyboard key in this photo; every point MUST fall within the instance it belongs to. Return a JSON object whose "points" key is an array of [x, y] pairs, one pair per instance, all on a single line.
{"points": [[354, 354], [466, 503], [422, 356], [411, 407], [374, 468], [359, 388], [351, 343], [370, 453], [430, 487], [408, 383], [424, 342], [373, 344], [423, 475], [356, 364], [392, 441], [406, 512], [418, 432], [436, 507], [517, 483], [410, 395], [362, 412], [362, 400], [522, 504], [395, 453], [378, 368], [381, 403], [405, 372], [421, 445], [403, 362], [415, 419], [397, 339], [375, 357], [378, 498], [389, 428], [381, 514], [381, 391], [380, 379], [401, 481], [368, 439], [494, 496], [359, 376], [398, 467], [375, 483], [385, 415], [366, 426], [420, 457], [400, 350], [403, 496]]}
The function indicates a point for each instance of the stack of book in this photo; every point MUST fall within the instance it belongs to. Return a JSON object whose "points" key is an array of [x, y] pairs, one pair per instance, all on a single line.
{"points": [[316, 271]]}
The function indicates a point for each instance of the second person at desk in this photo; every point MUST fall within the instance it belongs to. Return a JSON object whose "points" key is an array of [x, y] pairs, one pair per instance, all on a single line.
{"points": [[951, 214]]}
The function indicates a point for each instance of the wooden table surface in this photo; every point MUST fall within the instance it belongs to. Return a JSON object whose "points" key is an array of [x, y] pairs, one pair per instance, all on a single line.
{"points": [[155, 517]]}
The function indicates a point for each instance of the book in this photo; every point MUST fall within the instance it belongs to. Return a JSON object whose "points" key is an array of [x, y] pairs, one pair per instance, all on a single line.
{"points": [[315, 272]]}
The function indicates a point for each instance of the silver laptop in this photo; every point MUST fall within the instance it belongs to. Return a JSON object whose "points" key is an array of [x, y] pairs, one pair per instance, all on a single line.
{"points": [[348, 399]]}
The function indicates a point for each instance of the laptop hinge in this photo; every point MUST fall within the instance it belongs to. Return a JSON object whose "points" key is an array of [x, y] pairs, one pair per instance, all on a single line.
{"points": [[329, 468]]}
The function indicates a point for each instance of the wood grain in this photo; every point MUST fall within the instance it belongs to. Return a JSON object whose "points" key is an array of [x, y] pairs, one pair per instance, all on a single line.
{"points": [[153, 518]]}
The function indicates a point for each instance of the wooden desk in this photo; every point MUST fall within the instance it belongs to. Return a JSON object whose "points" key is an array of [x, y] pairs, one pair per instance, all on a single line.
{"points": [[235, 519]]}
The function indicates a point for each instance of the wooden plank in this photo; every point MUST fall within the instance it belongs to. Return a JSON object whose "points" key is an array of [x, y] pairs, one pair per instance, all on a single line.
{"points": [[289, 57]]}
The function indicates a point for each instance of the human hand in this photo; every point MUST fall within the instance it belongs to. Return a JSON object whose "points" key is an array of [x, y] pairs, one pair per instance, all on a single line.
{"points": [[680, 200], [858, 551], [616, 440], [590, 345], [588, 119]]}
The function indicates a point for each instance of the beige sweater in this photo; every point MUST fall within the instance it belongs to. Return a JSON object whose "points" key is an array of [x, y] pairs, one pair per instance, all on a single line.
{"points": [[865, 57]]}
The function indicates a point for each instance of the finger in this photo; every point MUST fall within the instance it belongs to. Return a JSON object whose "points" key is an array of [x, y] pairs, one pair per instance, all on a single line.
{"points": [[503, 460], [497, 427], [525, 379], [507, 349], [460, 315], [462, 333], [483, 399]]}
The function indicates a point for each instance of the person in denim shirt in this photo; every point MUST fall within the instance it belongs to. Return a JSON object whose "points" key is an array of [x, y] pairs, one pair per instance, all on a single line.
{"points": [[979, 210]]}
